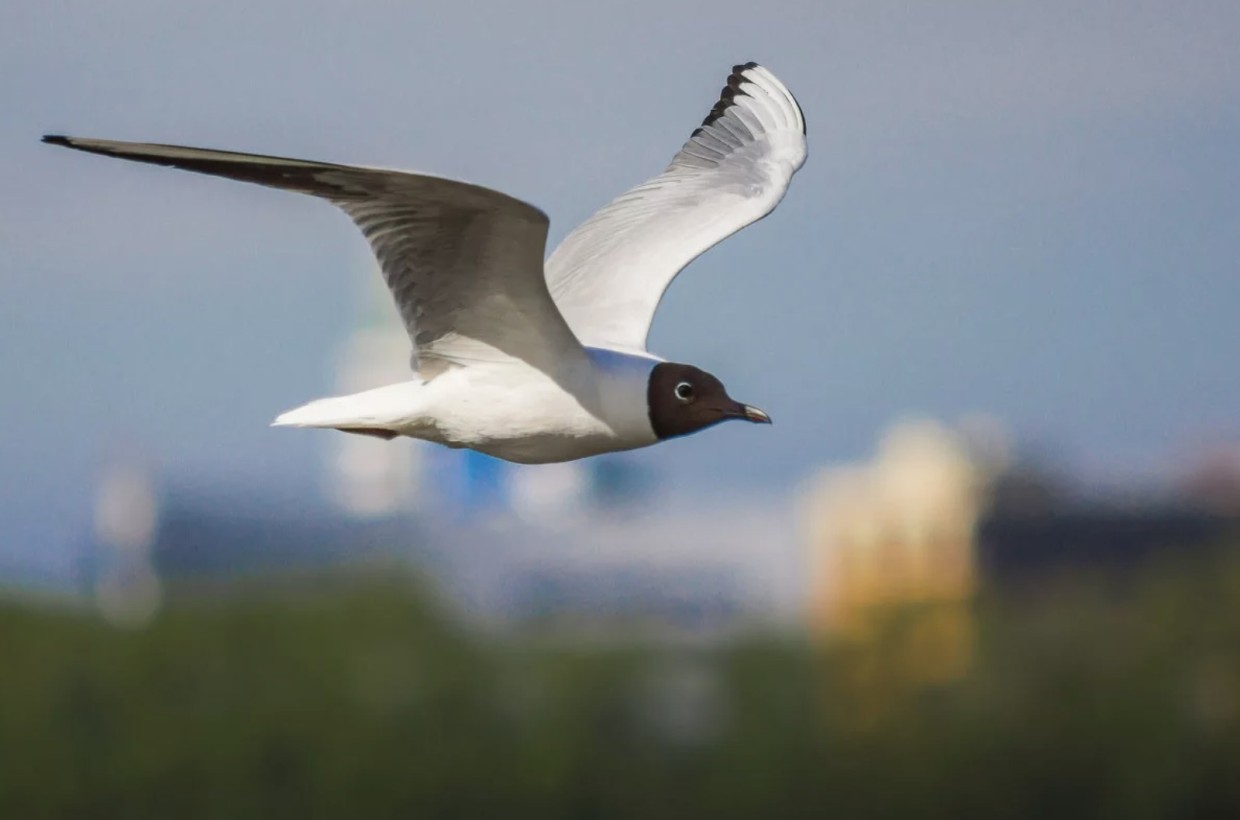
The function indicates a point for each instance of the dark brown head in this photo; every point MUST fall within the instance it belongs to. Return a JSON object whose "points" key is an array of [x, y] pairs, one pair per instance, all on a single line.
{"points": [[683, 399]]}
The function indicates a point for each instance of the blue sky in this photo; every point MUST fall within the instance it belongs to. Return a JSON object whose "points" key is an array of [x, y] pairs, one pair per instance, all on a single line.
{"points": [[1025, 209]]}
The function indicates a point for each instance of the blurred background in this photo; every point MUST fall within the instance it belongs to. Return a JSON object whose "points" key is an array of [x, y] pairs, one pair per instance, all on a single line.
{"points": [[986, 562]]}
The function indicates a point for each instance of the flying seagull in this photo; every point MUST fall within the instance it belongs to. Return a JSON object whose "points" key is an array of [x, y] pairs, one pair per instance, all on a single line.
{"points": [[529, 361]]}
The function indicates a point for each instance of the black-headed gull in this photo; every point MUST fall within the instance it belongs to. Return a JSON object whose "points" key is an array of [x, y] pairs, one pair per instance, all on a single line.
{"points": [[527, 361]]}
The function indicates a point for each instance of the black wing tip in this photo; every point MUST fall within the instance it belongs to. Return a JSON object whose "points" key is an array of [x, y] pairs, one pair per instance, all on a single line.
{"points": [[734, 80], [727, 95], [78, 144]]}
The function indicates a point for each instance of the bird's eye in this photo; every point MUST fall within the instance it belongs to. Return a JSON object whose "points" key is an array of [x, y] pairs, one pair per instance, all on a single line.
{"points": [[684, 392]]}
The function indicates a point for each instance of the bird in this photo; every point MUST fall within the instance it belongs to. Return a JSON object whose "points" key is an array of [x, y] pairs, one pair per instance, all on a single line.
{"points": [[529, 360]]}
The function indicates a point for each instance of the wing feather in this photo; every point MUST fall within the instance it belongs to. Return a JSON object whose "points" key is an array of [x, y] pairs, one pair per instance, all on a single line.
{"points": [[463, 262], [609, 274]]}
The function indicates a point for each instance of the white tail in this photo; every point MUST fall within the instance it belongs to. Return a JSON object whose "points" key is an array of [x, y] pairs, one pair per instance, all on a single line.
{"points": [[380, 412]]}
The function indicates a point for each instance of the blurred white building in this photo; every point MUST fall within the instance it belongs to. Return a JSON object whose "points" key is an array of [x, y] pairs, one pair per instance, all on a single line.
{"points": [[126, 587], [369, 477]]}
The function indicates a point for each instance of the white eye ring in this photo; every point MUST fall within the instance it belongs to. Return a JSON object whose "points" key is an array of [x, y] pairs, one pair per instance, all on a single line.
{"points": [[684, 392]]}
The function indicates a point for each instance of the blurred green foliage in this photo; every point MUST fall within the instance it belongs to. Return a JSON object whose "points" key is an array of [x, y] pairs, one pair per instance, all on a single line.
{"points": [[357, 698]]}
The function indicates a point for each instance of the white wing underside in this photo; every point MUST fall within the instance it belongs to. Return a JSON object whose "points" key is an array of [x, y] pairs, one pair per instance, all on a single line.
{"points": [[608, 275]]}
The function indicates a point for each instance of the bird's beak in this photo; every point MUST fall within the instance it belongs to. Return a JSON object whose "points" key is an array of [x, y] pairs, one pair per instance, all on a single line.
{"points": [[754, 414]]}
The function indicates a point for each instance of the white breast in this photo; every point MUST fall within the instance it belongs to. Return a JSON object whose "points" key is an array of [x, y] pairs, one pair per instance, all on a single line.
{"points": [[522, 414]]}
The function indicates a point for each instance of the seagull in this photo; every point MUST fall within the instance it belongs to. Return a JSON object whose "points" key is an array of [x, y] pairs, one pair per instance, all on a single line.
{"points": [[525, 360]]}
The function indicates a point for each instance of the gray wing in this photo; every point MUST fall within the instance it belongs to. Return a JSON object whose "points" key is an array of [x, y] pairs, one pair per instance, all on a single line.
{"points": [[609, 274], [463, 262]]}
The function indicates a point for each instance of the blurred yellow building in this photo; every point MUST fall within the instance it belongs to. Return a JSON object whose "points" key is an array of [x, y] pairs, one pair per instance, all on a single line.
{"points": [[895, 535]]}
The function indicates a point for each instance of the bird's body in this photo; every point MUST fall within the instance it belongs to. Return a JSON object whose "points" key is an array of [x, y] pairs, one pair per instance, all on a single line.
{"points": [[529, 362], [508, 410]]}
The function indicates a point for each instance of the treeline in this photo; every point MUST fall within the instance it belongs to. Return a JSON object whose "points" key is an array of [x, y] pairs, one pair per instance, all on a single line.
{"points": [[356, 698]]}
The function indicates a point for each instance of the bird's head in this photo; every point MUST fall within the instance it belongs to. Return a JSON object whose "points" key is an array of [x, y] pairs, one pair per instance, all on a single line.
{"points": [[683, 399]]}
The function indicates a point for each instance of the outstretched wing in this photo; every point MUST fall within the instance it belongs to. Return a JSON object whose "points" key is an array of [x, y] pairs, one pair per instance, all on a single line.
{"points": [[464, 263], [609, 274]]}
